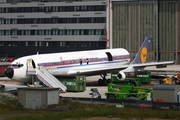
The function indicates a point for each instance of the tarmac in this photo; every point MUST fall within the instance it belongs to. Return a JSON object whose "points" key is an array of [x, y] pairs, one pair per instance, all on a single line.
{"points": [[103, 89], [92, 83]]}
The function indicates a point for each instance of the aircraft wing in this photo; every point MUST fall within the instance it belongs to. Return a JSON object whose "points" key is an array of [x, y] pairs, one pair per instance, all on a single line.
{"points": [[99, 70], [95, 71], [157, 64]]}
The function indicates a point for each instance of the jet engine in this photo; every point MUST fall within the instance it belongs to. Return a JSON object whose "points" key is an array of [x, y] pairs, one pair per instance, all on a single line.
{"points": [[122, 75]]}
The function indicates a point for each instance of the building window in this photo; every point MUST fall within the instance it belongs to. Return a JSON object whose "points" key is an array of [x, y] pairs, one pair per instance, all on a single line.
{"points": [[7, 32], [36, 44], [55, 32], [67, 32], [1, 21], [26, 44], [14, 21], [7, 21], [47, 44], [48, 32], [61, 32], [52, 20], [53, 9], [14, 32], [27, 32], [75, 32]]}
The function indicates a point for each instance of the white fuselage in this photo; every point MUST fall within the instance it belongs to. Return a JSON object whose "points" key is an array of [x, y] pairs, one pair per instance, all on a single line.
{"points": [[71, 63]]}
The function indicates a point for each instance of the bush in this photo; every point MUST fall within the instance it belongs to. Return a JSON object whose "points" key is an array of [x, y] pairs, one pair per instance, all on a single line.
{"points": [[8, 101]]}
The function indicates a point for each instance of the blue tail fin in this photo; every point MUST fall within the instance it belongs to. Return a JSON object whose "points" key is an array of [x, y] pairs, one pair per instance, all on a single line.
{"points": [[142, 54]]}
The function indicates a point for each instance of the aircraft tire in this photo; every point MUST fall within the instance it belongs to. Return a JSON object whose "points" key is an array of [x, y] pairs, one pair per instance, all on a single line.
{"points": [[100, 82], [108, 81], [111, 97], [131, 97]]}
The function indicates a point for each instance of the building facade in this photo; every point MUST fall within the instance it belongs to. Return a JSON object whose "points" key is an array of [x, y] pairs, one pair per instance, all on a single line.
{"points": [[28, 27], [129, 21]]}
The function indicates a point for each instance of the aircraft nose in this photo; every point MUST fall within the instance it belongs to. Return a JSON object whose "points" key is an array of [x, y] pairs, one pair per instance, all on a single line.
{"points": [[9, 72]]}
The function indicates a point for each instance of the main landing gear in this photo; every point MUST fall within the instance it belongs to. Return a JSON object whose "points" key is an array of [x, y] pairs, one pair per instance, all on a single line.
{"points": [[103, 81]]}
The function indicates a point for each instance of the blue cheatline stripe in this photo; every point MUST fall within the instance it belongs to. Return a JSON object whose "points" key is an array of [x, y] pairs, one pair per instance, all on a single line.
{"points": [[84, 64], [77, 61]]}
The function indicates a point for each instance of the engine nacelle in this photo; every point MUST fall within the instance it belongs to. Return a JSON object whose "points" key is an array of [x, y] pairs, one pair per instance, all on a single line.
{"points": [[122, 75]]}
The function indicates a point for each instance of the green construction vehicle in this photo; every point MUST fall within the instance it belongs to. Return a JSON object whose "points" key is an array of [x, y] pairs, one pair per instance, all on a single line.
{"points": [[131, 90]]}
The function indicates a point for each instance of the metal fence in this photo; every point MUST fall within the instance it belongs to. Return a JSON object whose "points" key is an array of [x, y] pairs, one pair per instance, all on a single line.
{"points": [[124, 103]]}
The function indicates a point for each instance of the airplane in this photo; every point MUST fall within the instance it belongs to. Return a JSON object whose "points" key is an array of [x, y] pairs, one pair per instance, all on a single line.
{"points": [[91, 62]]}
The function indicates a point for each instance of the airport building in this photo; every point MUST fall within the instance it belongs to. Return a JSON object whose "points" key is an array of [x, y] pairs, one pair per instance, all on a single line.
{"points": [[129, 21], [45, 26], [31, 26]]}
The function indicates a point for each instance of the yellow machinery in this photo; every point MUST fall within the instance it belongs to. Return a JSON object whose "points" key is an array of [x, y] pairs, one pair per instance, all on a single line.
{"points": [[171, 79], [178, 76], [167, 81], [178, 79]]}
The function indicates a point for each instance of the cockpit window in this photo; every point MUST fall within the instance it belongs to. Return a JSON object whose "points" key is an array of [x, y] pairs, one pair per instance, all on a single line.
{"points": [[17, 65]]}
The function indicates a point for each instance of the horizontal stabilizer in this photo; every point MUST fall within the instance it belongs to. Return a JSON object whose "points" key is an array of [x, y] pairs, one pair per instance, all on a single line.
{"points": [[10, 87], [161, 66]]}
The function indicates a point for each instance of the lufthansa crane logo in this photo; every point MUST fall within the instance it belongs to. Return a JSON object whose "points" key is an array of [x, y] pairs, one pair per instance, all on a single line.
{"points": [[143, 54]]}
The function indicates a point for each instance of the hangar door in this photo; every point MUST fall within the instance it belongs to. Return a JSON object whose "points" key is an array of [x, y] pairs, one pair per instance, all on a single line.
{"points": [[132, 21]]}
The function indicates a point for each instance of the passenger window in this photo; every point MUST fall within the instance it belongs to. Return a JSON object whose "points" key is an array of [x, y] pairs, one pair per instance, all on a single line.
{"points": [[17, 65], [20, 65]]}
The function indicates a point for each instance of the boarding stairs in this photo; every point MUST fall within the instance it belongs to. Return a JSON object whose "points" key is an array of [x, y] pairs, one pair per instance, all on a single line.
{"points": [[46, 77]]}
